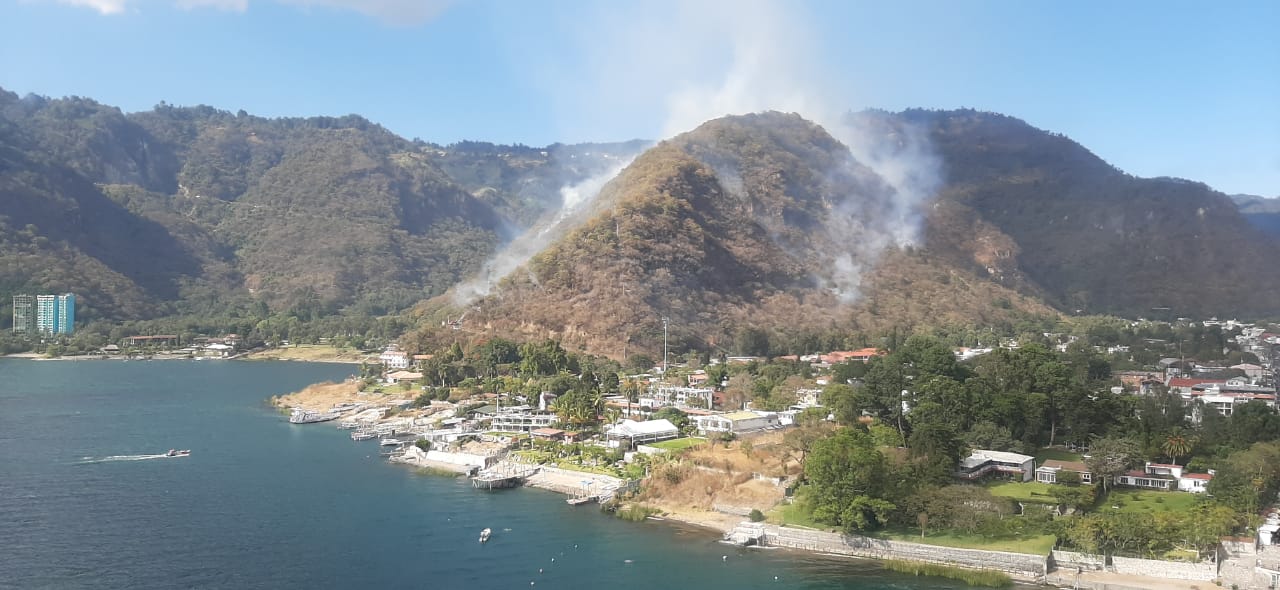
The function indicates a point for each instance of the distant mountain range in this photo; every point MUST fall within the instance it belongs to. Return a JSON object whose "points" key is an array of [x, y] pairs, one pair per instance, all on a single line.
{"points": [[1262, 212], [758, 222]]}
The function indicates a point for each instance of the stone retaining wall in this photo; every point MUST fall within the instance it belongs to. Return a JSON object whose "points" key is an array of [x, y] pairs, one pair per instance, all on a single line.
{"points": [[1070, 560], [459, 458], [1018, 564], [1177, 570]]}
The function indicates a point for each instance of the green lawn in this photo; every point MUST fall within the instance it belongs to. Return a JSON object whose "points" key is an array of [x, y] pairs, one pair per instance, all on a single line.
{"points": [[571, 466], [1148, 501], [795, 515], [1056, 454], [678, 444], [1036, 545], [1032, 491]]}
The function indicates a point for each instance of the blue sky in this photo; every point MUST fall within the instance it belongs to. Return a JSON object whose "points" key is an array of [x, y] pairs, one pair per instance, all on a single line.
{"points": [[1156, 88]]}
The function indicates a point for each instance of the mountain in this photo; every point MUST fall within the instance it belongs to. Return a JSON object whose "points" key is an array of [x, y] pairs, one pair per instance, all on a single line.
{"points": [[1087, 235], [1262, 212], [748, 227], [744, 221], [196, 210]]}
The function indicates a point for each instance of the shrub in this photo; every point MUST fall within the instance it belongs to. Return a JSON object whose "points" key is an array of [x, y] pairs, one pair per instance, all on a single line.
{"points": [[756, 515], [989, 578], [635, 512]]}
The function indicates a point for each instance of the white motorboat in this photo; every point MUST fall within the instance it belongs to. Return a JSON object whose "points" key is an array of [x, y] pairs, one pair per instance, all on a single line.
{"points": [[177, 453], [484, 535]]}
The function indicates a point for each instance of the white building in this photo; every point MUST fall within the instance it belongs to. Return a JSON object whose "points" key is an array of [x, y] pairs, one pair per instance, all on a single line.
{"points": [[675, 395], [394, 358], [520, 421], [1162, 476], [982, 463], [638, 433], [736, 422], [1251, 371]]}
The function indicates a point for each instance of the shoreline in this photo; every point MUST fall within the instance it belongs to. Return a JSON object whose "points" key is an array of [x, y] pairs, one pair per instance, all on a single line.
{"points": [[35, 356]]}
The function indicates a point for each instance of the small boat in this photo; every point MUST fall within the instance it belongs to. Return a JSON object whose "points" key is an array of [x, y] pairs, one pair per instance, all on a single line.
{"points": [[177, 453], [484, 535]]}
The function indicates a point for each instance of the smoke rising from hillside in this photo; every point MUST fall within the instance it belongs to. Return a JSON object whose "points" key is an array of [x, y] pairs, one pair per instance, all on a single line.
{"points": [[774, 64], [704, 60], [575, 198]]}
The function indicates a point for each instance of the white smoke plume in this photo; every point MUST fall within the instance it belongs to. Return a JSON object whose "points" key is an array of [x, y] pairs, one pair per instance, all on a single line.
{"points": [[575, 198], [707, 59], [726, 57]]}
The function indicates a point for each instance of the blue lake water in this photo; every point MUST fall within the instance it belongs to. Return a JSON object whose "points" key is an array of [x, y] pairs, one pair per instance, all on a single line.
{"points": [[262, 503]]}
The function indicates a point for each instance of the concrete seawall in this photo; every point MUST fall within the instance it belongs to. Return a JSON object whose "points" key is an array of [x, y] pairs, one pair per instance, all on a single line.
{"points": [[1021, 565]]}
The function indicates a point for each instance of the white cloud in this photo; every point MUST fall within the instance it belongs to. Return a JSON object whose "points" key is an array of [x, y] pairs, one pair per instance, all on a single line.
{"points": [[393, 12], [231, 5], [103, 6]]}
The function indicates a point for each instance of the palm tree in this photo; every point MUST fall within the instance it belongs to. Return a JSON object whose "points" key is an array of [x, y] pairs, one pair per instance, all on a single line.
{"points": [[1176, 445]]}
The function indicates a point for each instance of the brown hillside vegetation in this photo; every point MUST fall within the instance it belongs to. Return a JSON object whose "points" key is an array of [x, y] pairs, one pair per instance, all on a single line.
{"points": [[729, 238], [722, 474]]}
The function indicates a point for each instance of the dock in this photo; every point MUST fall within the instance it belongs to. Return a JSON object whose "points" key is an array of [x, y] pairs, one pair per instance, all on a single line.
{"points": [[503, 475]]}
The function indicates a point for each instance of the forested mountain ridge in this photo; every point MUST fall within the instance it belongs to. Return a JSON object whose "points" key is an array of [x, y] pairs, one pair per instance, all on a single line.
{"points": [[1092, 237], [740, 227], [196, 210], [735, 226], [728, 227]]}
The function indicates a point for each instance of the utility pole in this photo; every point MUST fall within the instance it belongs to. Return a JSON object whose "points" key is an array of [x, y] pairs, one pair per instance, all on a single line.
{"points": [[665, 321]]}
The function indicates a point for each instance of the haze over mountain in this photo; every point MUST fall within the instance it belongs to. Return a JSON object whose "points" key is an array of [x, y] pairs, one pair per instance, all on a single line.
{"points": [[761, 221], [1262, 212]]}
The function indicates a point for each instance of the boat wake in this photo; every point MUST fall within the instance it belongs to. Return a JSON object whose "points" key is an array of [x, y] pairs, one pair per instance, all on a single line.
{"points": [[115, 458]]}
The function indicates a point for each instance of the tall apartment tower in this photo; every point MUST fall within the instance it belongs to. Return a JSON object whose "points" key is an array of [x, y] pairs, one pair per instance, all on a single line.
{"points": [[24, 314], [56, 314]]}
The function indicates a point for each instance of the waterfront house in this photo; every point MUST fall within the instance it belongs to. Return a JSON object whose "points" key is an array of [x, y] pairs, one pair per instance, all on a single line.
{"points": [[1161, 476], [982, 463], [638, 433], [216, 350], [1186, 385], [157, 340], [1251, 371], [520, 421], [736, 422], [1048, 472], [674, 395], [627, 408], [862, 355], [395, 377], [1141, 382], [547, 433], [394, 358]]}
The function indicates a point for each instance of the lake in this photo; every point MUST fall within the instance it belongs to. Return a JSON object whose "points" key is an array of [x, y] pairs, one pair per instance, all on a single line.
{"points": [[261, 503]]}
